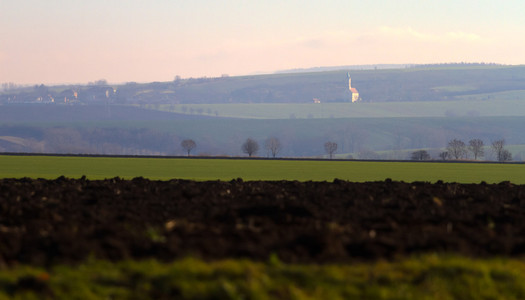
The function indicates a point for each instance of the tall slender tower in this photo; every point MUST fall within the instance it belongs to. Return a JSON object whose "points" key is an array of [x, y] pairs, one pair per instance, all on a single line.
{"points": [[355, 93]]}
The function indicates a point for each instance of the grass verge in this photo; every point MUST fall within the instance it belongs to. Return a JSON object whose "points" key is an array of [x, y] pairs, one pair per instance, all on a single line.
{"points": [[424, 277]]}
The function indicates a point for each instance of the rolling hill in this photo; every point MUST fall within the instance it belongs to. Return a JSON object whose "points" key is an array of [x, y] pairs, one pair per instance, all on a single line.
{"points": [[420, 107], [416, 83]]}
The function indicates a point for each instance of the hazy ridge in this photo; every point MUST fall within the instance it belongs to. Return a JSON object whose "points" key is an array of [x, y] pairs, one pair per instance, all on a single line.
{"points": [[419, 107]]}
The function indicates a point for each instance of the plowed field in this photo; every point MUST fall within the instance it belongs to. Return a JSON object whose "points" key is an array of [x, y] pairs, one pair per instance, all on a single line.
{"points": [[45, 222]]}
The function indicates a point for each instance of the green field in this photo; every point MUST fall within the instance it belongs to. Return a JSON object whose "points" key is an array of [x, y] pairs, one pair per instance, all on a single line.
{"points": [[51, 167], [426, 277], [510, 103]]}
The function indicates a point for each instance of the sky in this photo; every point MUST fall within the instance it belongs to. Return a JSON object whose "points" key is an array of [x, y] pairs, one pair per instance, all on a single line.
{"points": [[74, 41]]}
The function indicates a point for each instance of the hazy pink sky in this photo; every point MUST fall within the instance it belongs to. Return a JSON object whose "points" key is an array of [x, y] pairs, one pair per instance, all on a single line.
{"points": [[73, 41]]}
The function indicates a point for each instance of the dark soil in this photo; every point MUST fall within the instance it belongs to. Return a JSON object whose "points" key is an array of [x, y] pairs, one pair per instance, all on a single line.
{"points": [[55, 221]]}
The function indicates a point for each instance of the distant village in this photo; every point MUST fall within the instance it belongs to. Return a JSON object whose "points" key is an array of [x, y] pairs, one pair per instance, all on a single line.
{"points": [[419, 83], [100, 92], [95, 93]]}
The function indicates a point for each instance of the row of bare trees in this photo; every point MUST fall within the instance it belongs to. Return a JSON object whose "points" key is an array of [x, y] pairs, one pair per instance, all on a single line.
{"points": [[272, 145], [457, 149]]}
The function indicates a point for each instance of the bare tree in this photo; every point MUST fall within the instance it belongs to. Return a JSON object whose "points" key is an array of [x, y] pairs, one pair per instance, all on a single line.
{"points": [[420, 155], [444, 155], [188, 145], [476, 147], [330, 148], [497, 148], [456, 149], [506, 155], [273, 146], [250, 147], [502, 154]]}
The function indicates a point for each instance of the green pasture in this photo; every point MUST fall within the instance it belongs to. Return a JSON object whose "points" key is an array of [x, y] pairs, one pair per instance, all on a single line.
{"points": [[497, 97], [425, 277], [510, 103], [51, 167]]}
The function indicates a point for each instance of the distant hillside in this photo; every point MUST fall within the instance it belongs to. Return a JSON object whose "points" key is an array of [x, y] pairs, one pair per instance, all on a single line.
{"points": [[418, 83], [433, 83], [460, 101], [31, 113]]}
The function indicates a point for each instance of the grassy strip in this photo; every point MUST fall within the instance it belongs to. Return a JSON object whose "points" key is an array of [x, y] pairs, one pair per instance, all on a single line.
{"points": [[51, 167], [426, 277]]}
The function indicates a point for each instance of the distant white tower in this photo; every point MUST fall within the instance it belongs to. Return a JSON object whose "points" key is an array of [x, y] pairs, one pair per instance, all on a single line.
{"points": [[355, 93]]}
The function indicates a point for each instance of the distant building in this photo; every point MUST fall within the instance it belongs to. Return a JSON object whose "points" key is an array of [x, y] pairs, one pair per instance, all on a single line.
{"points": [[355, 93], [316, 100]]}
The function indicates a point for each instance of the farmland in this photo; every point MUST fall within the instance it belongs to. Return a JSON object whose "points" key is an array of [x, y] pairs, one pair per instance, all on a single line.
{"points": [[501, 104], [51, 167], [115, 238], [402, 110], [231, 228]]}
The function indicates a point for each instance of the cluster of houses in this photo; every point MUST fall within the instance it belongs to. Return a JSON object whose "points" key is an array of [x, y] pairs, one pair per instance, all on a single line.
{"points": [[42, 94]]}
